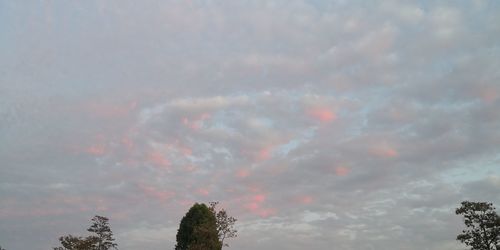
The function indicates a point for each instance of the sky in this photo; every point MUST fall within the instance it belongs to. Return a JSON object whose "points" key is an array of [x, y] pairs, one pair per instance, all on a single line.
{"points": [[317, 124]]}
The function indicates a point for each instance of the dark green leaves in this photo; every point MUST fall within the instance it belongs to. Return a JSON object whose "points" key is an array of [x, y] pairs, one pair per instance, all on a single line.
{"points": [[482, 226], [198, 230]]}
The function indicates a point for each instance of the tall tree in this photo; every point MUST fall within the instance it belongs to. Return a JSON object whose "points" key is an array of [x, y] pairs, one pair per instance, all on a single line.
{"points": [[198, 230], [103, 237], [483, 226], [224, 222]]}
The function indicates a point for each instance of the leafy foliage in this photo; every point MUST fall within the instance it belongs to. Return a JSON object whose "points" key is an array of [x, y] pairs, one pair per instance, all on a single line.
{"points": [[71, 242], [103, 235], [102, 238], [225, 223], [483, 226], [198, 230]]}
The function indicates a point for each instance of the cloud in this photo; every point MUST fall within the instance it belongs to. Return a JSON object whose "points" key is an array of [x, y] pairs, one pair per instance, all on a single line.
{"points": [[315, 123]]}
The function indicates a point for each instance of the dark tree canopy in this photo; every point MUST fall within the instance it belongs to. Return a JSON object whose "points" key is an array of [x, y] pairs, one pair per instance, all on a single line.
{"points": [[482, 226], [224, 222], [101, 238], [70, 242], [198, 230]]}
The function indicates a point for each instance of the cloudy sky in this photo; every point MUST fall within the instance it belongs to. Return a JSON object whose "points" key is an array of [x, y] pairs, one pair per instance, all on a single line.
{"points": [[319, 124]]}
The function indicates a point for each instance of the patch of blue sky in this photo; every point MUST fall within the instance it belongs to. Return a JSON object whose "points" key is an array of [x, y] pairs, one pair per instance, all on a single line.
{"points": [[371, 100], [472, 171], [264, 122], [224, 152], [306, 136], [221, 119], [219, 124]]}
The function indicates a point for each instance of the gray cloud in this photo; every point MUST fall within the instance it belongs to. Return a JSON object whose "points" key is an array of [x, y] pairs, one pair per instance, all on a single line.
{"points": [[315, 123]]}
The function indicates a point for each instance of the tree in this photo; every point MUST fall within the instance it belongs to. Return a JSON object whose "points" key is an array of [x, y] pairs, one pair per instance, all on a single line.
{"points": [[70, 242], [483, 226], [102, 238], [198, 230], [225, 223], [2, 248]]}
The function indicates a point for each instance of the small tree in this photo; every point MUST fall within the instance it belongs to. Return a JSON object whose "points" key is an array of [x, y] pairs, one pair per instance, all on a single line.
{"points": [[198, 230], [101, 240], [225, 223], [70, 242], [483, 226]]}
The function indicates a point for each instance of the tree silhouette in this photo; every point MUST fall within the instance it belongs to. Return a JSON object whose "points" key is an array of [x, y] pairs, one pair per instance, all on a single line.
{"points": [[483, 226], [102, 238], [70, 242], [225, 223], [198, 230]]}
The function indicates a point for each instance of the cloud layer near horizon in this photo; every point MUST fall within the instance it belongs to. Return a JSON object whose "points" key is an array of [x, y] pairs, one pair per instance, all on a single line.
{"points": [[316, 123]]}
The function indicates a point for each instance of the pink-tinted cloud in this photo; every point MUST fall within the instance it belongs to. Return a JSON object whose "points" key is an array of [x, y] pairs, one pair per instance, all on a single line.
{"points": [[86, 203], [178, 147], [96, 150], [260, 154], [252, 206], [186, 202], [304, 199], [158, 194], [158, 159], [259, 198], [254, 188], [265, 153], [190, 168], [342, 171], [322, 114], [203, 191], [186, 151], [257, 209], [488, 95], [266, 212], [256, 205], [384, 151], [195, 123], [127, 143], [242, 173]]}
